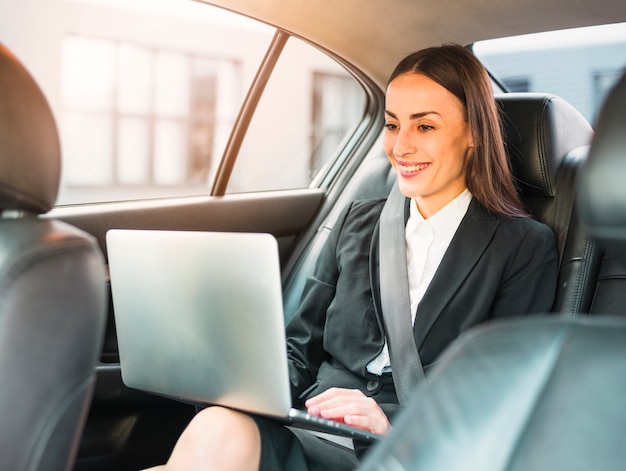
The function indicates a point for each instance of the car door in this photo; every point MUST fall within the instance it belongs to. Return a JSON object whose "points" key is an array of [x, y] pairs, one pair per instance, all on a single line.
{"points": [[164, 127]]}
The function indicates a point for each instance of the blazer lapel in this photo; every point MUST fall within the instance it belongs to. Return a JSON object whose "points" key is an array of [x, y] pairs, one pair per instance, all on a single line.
{"points": [[468, 244], [375, 277]]}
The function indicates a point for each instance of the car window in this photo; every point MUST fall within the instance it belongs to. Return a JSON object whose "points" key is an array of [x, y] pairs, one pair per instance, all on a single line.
{"points": [[580, 65], [310, 105], [136, 118], [146, 94]]}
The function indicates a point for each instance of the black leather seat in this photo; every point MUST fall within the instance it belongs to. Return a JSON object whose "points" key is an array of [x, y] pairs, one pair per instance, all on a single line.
{"points": [[540, 393], [547, 141], [602, 197], [52, 290]]}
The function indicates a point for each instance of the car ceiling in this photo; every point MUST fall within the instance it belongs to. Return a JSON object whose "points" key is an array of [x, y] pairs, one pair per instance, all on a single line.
{"points": [[374, 35]]}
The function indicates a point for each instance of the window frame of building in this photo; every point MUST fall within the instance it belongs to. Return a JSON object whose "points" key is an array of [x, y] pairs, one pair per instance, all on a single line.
{"points": [[195, 167]]}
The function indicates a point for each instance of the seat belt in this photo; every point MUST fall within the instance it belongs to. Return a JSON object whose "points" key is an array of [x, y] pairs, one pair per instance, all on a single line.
{"points": [[406, 366]]}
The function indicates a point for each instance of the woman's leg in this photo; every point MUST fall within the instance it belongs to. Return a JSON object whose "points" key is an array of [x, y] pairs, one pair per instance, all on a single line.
{"points": [[217, 439]]}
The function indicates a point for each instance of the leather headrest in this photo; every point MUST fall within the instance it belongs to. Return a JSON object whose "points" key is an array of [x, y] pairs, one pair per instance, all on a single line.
{"points": [[30, 154], [540, 129], [602, 183]]}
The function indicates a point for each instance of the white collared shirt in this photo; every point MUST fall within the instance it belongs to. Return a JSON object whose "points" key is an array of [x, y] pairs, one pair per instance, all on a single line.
{"points": [[426, 243]]}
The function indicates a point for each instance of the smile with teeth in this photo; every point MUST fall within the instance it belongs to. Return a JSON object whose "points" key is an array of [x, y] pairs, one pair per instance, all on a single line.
{"points": [[412, 168]]}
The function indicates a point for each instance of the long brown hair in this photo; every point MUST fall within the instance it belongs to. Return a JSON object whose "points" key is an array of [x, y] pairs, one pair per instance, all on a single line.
{"points": [[488, 176]]}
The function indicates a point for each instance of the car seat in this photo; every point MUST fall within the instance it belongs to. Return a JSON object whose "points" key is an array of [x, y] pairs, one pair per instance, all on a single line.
{"points": [[52, 289]]}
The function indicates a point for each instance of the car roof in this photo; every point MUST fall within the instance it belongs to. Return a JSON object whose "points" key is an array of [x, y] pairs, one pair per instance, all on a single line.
{"points": [[374, 35]]}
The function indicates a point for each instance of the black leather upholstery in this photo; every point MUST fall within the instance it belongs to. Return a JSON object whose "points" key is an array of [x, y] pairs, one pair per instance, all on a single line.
{"points": [[52, 290], [30, 163], [602, 194], [547, 141], [542, 132], [603, 188], [541, 393]]}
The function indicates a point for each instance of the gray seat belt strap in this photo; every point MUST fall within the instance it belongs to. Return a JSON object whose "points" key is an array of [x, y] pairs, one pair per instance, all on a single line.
{"points": [[406, 366]]}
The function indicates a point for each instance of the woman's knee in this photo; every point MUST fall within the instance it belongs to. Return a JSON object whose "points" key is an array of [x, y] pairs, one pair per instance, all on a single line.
{"points": [[220, 420], [218, 439], [217, 435]]}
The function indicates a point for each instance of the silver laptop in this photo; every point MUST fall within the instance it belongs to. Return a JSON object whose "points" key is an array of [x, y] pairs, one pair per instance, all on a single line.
{"points": [[199, 318]]}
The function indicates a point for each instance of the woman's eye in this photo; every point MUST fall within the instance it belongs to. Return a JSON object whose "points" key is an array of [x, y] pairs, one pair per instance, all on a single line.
{"points": [[425, 127], [391, 126]]}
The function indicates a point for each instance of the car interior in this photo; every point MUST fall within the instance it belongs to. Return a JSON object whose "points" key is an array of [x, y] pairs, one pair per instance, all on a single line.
{"points": [[545, 391]]}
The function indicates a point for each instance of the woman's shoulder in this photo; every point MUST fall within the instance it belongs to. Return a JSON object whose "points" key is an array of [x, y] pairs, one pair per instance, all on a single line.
{"points": [[359, 214], [369, 204], [516, 227], [526, 226], [369, 208]]}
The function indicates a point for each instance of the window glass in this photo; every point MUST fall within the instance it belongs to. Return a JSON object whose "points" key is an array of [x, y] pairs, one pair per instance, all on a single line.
{"points": [[87, 160], [88, 73], [133, 153], [338, 103], [134, 76], [310, 105], [162, 114], [146, 94], [580, 65]]}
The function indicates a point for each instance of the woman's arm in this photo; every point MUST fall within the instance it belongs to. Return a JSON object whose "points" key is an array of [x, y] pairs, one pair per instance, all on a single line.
{"points": [[305, 332]]}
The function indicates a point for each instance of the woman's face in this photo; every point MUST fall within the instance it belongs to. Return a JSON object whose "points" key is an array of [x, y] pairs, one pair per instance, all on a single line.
{"points": [[427, 140]]}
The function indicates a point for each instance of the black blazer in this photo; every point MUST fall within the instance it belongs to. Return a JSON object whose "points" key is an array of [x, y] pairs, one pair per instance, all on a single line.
{"points": [[495, 267]]}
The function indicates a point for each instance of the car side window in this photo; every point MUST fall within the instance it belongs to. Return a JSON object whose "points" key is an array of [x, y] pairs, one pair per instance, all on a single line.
{"points": [[309, 107], [138, 119], [146, 95]]}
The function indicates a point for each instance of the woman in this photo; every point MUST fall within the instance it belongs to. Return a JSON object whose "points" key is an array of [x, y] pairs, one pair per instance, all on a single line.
{"points": [[473, 255]]}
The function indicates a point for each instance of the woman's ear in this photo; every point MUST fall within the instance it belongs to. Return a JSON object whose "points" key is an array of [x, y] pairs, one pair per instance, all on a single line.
{"points": [[470, 144]]}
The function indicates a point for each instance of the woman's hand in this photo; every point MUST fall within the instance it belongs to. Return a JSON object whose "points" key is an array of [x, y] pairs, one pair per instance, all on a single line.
{"points": [[351, 407]]}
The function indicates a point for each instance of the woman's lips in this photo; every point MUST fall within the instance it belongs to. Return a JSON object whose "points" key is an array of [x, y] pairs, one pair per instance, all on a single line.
{"points": [[410, 170]]}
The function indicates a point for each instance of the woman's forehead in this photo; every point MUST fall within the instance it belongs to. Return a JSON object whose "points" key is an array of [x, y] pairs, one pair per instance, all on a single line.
{"points": [[412, 93]]}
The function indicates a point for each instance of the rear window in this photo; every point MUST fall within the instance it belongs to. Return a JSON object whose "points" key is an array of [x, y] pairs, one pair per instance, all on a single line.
{"points": [[580, 65]]}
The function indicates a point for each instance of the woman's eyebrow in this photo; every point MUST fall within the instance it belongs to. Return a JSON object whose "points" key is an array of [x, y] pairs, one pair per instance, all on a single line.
{"points": [[414, 115]]}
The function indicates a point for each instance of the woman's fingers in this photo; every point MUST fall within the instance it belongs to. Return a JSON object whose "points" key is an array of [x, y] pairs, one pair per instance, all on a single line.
{"points": [[333, 393], [349, 406], [329, 403]]}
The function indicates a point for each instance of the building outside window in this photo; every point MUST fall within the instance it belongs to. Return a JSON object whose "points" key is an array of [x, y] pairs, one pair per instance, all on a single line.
{"points": [[579, 65], [338, 102], [140, 116], [603, 81]]}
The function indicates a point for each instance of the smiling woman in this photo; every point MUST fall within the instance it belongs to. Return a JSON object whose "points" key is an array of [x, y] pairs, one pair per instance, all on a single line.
{"points": [[428, 141], [446, 122]]}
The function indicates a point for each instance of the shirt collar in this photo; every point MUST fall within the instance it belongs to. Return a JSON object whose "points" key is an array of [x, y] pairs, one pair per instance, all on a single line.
{"points": [[444, 222]]}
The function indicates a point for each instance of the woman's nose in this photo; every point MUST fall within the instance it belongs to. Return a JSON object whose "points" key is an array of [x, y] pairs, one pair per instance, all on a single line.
{"points": [[405, 143]]}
